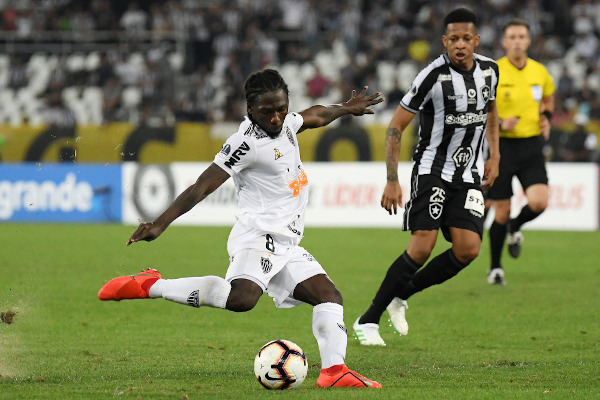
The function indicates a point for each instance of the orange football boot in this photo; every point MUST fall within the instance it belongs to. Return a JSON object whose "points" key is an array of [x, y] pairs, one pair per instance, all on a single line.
{"points": [[129, 286], [342, 376]]}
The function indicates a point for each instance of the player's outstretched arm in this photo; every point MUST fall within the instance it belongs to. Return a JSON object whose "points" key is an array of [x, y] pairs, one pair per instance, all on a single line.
{"points": [[391, 199], [213, 177], [318, 115]]}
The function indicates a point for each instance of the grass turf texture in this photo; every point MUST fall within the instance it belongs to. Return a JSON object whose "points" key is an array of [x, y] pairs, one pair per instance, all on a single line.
{"points": [[537, 337]]}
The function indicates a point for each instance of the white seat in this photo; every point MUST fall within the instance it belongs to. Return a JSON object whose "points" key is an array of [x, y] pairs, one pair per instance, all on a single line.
{"points": [[24, 96], [92, 61], [307, 70], [137, 59], [75, 62], [290, 72], [14, 115], [131, 96], [80, 112], [555, 68], [176, 61], [4, 77], [325, 61], [406, 73], [386, 79], [7, 96], [4, 61], [92, 94], [70, 95], [93, 99], [39, 75]]}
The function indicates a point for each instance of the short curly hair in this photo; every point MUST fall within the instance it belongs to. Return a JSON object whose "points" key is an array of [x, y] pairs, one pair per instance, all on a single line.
{"points": [[460, 15]]}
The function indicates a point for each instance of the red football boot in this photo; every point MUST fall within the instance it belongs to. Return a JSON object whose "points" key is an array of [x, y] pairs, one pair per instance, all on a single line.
{"points": [[342, 376], [129, 286]]}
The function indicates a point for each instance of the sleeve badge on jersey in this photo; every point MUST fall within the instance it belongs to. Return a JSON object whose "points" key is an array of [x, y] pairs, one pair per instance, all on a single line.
{"points": [[226, 149], [413, 89]]}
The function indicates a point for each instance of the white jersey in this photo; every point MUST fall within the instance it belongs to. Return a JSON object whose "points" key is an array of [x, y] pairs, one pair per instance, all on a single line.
{"points": [[271, 184]]}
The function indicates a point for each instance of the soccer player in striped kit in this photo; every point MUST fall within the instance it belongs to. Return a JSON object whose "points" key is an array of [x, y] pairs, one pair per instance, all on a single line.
{"points": [[455, 97]]}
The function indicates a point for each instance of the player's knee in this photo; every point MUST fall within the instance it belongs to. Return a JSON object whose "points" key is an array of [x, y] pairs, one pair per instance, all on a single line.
{"points": [[243, 296], [332, 295], [466, 254], [538, 205], [327, 294], [419, 255], [240, 302]]}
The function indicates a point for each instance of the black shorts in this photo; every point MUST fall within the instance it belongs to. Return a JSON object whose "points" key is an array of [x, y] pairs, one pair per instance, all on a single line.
{"points": [[437, 204], [523, 158]]}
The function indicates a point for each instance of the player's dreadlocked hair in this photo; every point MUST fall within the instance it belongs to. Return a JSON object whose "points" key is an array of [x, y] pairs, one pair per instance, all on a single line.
{"points": [[460, 15], [267, 80]]}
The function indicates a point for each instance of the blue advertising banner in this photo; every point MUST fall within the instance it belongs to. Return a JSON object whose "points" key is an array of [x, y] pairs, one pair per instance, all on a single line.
{"points": [[60, 192]]}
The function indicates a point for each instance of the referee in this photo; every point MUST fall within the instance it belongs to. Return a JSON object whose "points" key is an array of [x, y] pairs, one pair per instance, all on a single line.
{"points": [[525, 102], [455, 98]]}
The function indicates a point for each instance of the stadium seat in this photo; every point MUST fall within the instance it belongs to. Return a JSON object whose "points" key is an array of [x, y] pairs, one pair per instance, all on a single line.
{"points": [[75, 62], [325, 61], [131, 96], [386, 78], [307, 70], [93, 100], [555, 68], [7, 96], [92, 61], [138, 60], [176, 61], [290, 71], [406, 73], [70, 95], [24, 96], [38, 71]]}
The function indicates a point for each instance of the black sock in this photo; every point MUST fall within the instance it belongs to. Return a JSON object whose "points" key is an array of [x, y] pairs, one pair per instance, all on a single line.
{"points": [[400, 272], [497, 237], [526, 215], [438, 270]]}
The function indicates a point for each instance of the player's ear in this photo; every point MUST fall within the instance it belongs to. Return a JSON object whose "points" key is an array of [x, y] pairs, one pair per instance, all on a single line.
{"points": [[477, 40]]}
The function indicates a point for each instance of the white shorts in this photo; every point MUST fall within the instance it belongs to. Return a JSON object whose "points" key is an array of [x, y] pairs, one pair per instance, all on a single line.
{"points": [[278, 271]]}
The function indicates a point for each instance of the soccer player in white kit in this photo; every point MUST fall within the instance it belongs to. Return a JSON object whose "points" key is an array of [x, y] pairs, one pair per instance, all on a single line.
{"points": [[263, 158]]}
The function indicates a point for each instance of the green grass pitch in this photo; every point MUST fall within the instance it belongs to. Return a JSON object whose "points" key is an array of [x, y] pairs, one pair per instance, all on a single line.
{"points": [[538, 337]]}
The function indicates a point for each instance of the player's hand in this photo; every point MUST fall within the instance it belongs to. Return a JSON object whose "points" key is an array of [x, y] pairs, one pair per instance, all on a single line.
{"points": [[490, 173], [391, 199], [359, 104], [147, 231]]}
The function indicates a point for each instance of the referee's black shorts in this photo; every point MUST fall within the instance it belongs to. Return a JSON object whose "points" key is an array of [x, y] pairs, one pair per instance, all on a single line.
{"points": [[523, 158]]}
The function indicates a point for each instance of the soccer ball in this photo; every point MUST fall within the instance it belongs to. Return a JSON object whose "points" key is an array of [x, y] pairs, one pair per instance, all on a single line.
{"points": [[280, 364]]}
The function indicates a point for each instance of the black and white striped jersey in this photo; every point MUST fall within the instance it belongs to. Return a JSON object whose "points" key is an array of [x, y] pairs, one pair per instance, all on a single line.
{"points": [[453, 106]]}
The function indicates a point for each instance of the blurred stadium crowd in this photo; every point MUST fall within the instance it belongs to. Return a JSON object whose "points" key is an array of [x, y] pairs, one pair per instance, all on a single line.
{"points": [[70, 62]]}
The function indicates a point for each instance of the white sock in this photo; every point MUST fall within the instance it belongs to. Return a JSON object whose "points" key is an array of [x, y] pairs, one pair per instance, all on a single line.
{"points": [[211, 291], [331, 333]]}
